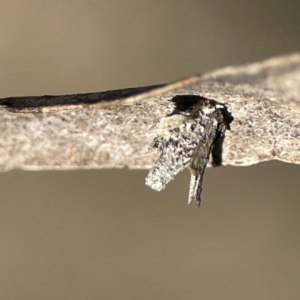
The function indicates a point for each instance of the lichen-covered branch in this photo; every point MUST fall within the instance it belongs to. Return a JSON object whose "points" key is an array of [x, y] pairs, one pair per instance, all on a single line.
{"points": [[114, 129]]}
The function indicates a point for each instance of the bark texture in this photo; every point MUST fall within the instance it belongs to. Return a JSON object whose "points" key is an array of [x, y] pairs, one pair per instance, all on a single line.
{"points": [[115, 128]]}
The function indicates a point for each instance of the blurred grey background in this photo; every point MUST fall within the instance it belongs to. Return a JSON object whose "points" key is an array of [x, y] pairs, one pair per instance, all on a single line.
{"points": [[102, 234]]}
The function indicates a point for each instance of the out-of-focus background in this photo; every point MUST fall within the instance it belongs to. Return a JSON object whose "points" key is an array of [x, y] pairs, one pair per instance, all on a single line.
{"points": [[102, 234]]}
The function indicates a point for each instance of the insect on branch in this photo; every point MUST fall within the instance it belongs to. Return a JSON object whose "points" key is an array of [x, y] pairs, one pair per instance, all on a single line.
{"points": [[114, 129]]}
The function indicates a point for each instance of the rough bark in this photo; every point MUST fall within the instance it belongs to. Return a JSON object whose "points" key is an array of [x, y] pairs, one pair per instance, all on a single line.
{"points": [[115, 128]]}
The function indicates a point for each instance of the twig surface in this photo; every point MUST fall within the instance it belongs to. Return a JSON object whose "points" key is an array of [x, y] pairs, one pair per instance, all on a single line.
{"points": [[115, 128]]}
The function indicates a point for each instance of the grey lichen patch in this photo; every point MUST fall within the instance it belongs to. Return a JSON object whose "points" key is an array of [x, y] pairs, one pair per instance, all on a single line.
{"points": [[186, 138]]}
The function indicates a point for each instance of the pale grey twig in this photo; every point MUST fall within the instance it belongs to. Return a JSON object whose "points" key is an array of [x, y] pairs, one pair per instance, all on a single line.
{"points": [[114, 129]]}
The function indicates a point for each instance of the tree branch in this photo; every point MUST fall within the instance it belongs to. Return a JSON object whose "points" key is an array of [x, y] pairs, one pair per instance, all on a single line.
{"points": [[115, 128]]}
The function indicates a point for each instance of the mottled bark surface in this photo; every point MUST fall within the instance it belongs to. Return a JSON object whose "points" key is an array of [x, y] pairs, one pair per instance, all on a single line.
{"points": [[114, 129]]}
